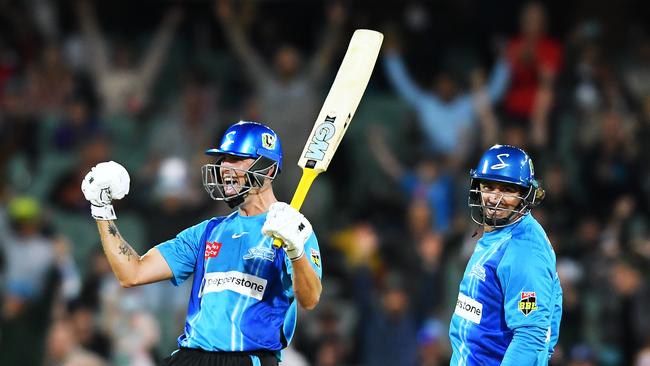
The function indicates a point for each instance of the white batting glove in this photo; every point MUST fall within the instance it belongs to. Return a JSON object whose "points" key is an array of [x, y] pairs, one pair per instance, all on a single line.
{"points": [[105, 182], [286, 223]]}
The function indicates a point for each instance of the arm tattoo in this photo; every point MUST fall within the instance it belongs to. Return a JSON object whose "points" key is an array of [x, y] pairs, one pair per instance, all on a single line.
{"points": [[124, 247], [126, 250], [112, 229]]}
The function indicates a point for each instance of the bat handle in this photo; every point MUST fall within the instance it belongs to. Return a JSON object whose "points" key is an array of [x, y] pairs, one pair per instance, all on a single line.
{"points": [[307, 178]]}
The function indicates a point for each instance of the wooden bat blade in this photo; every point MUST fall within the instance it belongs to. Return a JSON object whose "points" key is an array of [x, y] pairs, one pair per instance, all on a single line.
{"points": [[342, 100]]}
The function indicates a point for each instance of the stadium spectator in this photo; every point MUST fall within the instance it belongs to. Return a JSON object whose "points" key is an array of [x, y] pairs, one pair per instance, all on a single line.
{"points": [[288, 93], [123, 86], [446, 114]]}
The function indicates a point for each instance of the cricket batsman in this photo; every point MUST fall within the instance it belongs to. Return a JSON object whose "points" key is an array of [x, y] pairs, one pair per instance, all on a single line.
{"points": [[510, 300], [242, 308]]}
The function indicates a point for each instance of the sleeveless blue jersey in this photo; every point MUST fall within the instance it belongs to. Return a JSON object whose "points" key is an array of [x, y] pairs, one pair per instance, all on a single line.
{"points": [[242, 297], [510, 300]]}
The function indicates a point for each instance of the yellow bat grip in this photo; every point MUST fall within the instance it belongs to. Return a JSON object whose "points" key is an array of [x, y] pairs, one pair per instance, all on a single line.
{"points": [[307, 178]]}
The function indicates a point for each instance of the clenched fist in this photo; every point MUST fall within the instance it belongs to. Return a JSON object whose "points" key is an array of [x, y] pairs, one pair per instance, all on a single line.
{"points": [[286, 223], [105, 182]]}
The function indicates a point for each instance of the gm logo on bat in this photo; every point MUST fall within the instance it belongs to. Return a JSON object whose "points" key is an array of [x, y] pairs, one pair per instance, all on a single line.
{"points": [[319, 143]]}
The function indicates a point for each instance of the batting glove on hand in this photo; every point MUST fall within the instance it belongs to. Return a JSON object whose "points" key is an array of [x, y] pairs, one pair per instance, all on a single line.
{"points": [[286, 223], [104, 183]]}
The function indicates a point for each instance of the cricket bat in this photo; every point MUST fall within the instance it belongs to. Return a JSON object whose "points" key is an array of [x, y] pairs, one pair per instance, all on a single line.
{"points": [[337, 111]]}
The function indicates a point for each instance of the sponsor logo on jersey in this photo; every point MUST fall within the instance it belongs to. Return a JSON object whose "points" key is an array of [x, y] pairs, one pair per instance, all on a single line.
{"points": [[469, 309], [478, 271], [212, 249], [239, 235], [315, 257], [528, 302], [241, 283], [260, 251]]}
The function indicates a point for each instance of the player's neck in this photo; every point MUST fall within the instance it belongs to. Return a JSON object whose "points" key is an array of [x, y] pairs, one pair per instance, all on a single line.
{"points": [[488, 228], [258, 202]]}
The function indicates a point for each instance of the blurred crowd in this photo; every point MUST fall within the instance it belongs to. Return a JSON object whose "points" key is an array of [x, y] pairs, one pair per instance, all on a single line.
{"points": [[153, 84]]}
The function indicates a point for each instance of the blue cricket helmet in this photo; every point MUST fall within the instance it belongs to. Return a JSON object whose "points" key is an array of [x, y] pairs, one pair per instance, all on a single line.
{"points": [[507, 164], [510, 165], [250, 140], [246, 140]]}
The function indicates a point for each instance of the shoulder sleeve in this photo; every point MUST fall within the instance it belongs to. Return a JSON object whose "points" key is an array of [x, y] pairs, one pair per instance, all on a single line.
{"points": [[557, 316], [312, 252], [526, 348], [182, 251], [527, 276]]}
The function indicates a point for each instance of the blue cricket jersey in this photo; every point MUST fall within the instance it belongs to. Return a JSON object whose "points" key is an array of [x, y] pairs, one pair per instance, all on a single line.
{"points": [[242, 296], [510, 300]]}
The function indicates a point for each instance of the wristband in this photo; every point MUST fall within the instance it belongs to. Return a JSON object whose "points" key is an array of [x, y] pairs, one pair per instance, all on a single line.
{"points": [[105, 212]]}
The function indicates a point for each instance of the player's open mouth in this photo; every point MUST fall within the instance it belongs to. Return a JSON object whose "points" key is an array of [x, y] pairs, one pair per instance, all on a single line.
{"points": [[491, 212], [230, 185]]}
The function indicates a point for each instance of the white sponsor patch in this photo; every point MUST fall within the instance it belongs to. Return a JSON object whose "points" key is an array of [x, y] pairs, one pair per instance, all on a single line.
{"points": [[468, 308], [238, 282]]}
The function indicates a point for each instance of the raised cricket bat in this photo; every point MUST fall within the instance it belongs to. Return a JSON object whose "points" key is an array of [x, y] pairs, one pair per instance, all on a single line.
{"points": [[337, 111]]}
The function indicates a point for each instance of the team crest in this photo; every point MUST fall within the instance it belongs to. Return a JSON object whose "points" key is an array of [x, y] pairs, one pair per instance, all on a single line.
{"points": [[528, 302], [268, 141], [315, 257], [478, 271], [261, 252]]}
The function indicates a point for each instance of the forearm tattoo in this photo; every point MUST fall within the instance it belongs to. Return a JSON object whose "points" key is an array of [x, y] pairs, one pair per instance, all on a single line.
{"points": [[113, 230], [124, 247], [126, 250]]}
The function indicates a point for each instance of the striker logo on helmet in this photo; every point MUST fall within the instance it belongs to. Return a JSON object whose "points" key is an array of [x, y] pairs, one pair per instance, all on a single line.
{"points": [[230, 139], [502, 164]]}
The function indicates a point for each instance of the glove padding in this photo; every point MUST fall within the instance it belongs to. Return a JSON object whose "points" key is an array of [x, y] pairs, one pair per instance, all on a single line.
{"points": [[286, 223], [104, 183]]}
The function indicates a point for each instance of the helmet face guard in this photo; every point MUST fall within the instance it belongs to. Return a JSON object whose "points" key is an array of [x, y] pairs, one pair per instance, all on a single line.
{"points": [[506, 165], [245, 140], [223, 182], [479, 209]]}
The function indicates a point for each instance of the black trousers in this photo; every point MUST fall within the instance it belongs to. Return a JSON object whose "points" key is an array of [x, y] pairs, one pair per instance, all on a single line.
{"points": [[198, 357]]}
